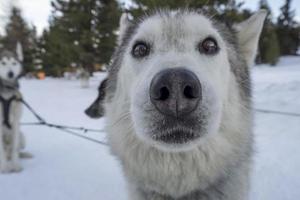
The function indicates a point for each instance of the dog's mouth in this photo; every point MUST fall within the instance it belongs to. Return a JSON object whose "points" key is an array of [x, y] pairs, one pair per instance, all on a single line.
{"points": [[176, 136]]}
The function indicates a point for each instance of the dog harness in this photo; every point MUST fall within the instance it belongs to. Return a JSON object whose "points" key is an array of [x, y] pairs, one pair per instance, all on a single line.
{"points": [[6, 103], [6, 109]]}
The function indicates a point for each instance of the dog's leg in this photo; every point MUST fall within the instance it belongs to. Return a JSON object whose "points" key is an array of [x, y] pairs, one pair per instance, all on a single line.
{"points": [[22, 141], [4, 167], [15, 158], [23, 154]]}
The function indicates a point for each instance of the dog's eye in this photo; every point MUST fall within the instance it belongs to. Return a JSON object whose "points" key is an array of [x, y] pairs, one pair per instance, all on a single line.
{"points": [[209, 46], [14, 63], [3, 63], [140, 50]]}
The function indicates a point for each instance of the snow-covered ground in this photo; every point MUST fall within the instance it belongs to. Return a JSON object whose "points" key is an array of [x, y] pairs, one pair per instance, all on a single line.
{"points": [[65, 167], [276, 173]]}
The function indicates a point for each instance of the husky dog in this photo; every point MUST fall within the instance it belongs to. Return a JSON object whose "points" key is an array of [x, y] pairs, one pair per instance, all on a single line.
{"points": [[11, 139], [178, 106]]}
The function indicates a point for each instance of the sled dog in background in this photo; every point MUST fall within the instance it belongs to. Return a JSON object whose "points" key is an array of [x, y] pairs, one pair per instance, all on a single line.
{"points": [[11, 139], [96, 110], [178, 105]]}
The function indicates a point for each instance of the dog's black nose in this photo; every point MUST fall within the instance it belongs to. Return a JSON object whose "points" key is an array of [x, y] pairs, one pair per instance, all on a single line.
{"points": [[94, 111], [10, 74], [175, 92]]}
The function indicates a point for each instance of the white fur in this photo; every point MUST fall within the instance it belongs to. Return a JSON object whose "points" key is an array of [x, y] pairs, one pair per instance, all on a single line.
{"points": [[136, 84], [11, 140], [179, 170], [248, 35]]}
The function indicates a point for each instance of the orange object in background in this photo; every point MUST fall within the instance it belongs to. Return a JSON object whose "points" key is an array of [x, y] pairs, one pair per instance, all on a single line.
{"points": [[41, 75]]}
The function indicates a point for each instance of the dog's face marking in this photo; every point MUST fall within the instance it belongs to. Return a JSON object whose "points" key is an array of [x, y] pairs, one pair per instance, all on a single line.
{"points": [[10, 67], [177, 47]]}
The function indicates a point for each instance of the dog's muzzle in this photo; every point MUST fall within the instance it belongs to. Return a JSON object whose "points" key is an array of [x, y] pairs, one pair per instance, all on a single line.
{"points": [[176, 95], [94, 111]]}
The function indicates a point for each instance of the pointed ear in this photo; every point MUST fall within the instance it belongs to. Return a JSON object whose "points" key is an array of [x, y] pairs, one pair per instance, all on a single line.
{"points": [[124, 24], [19, 51], [248, 33]]}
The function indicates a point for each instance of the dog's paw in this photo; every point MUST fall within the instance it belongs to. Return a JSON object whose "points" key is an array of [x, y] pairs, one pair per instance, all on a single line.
{"points": [[25, 155], [4, 168], [15, 167]]}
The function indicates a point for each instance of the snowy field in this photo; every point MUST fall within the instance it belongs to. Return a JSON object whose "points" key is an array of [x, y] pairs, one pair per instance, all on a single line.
{"points": [[65, 167]]}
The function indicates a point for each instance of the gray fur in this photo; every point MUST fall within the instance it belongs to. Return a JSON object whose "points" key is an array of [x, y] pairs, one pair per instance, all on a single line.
{"points": [[218, 167], [12, 140]]}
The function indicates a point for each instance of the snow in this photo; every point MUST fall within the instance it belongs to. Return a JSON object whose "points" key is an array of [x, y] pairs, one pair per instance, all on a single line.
{"points": [[277, 160], [67, 167]]}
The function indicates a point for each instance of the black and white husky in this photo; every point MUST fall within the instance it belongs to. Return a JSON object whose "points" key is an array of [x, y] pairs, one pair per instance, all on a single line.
{"points": [[11, 139], [178, 106]]}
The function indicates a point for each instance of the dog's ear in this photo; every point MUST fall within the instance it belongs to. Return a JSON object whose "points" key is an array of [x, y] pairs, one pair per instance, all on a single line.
{"points": [[19, 51], [124, 24], [248, 33]]}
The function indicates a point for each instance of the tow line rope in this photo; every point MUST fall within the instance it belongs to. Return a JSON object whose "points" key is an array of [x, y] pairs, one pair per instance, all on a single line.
{"points": [[67, 129], [292, 114]]}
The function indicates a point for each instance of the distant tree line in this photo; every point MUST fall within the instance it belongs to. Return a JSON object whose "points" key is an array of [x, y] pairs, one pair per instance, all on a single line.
{"points": [[83, 32], [17, 30]]}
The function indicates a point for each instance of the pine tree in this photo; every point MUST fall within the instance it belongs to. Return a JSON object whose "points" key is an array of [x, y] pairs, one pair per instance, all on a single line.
{"points": [[288, 30], [107, 14], [268, 46], [55, 51], [76, 28], [228, 11], [82, 32], [17, 30]]}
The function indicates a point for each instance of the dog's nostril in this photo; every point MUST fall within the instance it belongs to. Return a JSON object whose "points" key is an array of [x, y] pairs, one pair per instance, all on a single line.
{"points": [[164, 94], [189, 92]]}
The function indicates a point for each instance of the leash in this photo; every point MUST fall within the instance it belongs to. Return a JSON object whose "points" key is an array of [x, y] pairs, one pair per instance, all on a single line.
{"points": [[84, 137], [43, 122], [66, 129], [37, 116], [292, 114]]}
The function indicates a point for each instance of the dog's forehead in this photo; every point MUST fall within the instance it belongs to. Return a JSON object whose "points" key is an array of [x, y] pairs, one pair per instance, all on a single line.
{"points": [[5, 59], [8, 56], [9, 60], [175, 25]]}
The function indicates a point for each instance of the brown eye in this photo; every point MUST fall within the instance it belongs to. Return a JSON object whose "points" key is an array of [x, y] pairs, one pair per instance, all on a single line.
{"points": [[209, 46], [140, 50]]}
